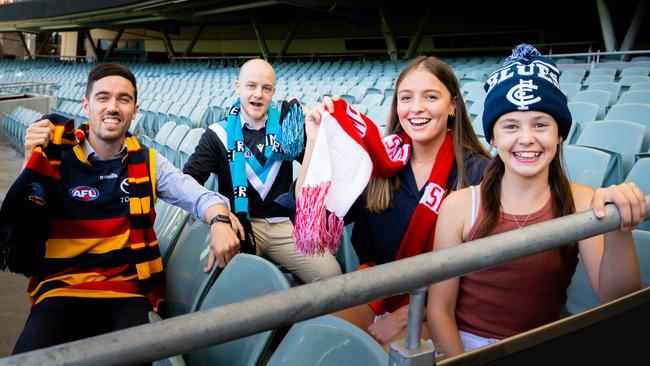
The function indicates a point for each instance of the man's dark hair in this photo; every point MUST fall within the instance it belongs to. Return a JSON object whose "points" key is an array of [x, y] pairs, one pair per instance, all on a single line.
{"points": [[110, 69]]}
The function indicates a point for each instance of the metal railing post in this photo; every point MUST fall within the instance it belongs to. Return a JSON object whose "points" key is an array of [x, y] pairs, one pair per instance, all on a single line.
{"points": [[412, 351]]}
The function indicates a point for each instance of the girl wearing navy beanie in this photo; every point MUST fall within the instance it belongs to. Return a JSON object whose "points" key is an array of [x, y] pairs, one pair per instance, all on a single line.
{"points": [[526, 118]]}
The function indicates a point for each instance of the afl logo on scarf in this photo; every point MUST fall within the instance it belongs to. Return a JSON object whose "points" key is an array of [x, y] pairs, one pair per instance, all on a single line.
{"points": [[84, 193]]}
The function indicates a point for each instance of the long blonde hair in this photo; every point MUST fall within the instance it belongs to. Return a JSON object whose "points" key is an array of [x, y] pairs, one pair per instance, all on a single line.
{"points": [[379, 193]]}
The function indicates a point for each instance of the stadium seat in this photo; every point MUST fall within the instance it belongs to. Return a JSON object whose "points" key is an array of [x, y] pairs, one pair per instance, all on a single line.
{"points": [[573, 134], [580, 294], [635, 96], [592, 79], [634, 112], [161, 115], [570, 89], [372, 100], [173, 142], [612, 87], [346, 255], [564, 61], [379, 115], [628, 139], [185, 282], [199, 115], [640, 86], [328, 340], [471, 86], [162, 136], [603, 71], [476, 108], [477, 95], [245, 277], [583, 112], [580, 72], [477, 75], [598, 97], [640, 71], [135, 128], [477, 123], [640, 59], [628, 81], [640, 174], [168, 227], [350, 99], [360, 108], [188, 145], [570, 79], [591, 167]]}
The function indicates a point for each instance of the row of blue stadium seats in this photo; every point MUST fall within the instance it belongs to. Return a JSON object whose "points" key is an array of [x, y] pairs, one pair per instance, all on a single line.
{"points": [[15, 125], [607, 70], [629, 122]]}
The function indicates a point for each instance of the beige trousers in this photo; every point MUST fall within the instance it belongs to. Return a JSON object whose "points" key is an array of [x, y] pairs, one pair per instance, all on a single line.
{"points": [[275, 242]]}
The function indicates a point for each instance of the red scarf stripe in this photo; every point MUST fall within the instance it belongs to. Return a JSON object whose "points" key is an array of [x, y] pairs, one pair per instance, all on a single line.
{"points": [[108, 272], [127, 287], [138, 170], [80, 229], [421, 231], [139, 236], [39, 163]]}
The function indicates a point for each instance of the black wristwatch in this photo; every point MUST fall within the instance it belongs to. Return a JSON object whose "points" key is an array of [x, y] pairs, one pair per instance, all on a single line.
{"points": [[220, 218]]}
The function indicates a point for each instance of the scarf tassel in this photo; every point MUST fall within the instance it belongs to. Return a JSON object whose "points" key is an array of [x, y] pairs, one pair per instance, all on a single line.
{"points": [[293, 132], [19, 255], [316, 230]]}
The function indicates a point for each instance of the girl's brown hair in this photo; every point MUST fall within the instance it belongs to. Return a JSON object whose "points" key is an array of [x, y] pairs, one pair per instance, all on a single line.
{"points": [[491, 191], [379, 193]]}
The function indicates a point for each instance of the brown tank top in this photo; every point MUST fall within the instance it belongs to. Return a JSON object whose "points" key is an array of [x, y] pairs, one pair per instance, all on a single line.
{"points": [[514, 297]]}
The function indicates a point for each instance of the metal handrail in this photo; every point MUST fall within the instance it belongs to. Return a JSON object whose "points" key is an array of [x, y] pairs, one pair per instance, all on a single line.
{"points": [[185, 333], [25, 84], [599, 53]]}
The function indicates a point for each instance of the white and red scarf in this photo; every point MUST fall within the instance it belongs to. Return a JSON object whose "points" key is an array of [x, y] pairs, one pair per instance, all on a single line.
{"points": [[348, 151]]}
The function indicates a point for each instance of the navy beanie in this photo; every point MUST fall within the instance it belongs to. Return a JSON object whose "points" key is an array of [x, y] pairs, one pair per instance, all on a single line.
{"points": [[526, 82]]}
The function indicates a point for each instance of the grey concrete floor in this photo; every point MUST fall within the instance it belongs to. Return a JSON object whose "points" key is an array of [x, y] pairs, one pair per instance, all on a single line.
{"points": [[14, 305]]}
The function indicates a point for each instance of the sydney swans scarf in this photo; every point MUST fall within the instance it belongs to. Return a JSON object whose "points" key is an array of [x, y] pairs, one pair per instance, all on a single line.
{"points": [[348, 150]]}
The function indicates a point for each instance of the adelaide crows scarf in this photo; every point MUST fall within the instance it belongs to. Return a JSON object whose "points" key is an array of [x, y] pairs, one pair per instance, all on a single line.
{"points": [[22, 242]]}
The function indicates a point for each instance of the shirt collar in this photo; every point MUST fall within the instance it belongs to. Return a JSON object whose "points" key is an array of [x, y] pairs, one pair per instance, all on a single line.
{"points": [[248, 125], [91, 155]]}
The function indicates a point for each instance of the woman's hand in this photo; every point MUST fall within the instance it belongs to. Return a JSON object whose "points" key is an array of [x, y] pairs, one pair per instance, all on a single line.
{"points": [[629, 199], [389, 327], [313, 117]]}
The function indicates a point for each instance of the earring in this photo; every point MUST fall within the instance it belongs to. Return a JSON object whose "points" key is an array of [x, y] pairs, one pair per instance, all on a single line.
{"points": [[452, 115]]}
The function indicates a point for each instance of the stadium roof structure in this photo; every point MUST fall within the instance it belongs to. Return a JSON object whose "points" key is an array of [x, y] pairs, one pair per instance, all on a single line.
{"points": [[35, 16]]}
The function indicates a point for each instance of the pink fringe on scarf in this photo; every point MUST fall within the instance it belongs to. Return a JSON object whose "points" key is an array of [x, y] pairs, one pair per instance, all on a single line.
{"points": [[313, 232]]}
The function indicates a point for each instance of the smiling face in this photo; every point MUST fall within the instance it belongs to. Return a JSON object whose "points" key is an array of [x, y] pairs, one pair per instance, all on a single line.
{"points": [[424, 105], [255, 86], [526, 142], [110, 104]]}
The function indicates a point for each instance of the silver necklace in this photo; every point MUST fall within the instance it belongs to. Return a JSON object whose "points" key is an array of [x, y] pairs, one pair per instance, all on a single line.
{"points": [[529, 213]]}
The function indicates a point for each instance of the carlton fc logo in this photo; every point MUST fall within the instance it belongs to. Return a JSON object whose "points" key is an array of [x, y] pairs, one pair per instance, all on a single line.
{"points": [[84, 193], [522, 95]]}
